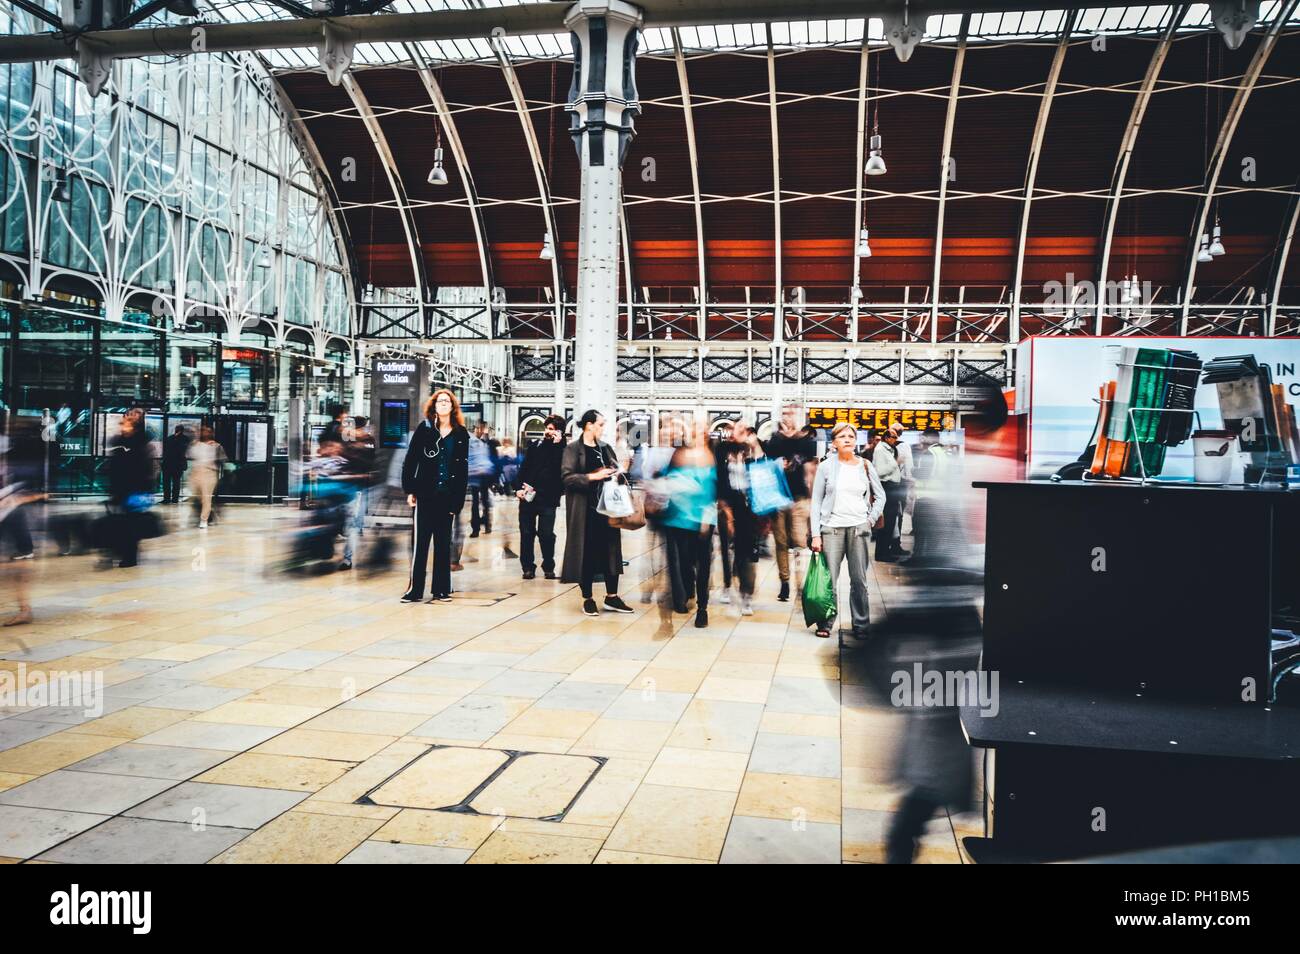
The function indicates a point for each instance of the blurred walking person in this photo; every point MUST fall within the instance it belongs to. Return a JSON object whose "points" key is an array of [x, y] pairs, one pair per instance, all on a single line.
{"points": [[690, 486], [131, 480], [434, 476], [797, 446], [173, 463], [23, 484], [734, 512], [847, 500], [360, 455], [540, 487], [207, 458], [592, 547], [885, 460], [482, 475]]}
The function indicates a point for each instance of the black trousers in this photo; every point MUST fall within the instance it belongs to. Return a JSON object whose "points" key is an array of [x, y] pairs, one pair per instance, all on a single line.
{"points": [[536, 523], [689, 555], [887, 537], [908, 825], [480, 494], [595, 554], [16, 531], [724, 551], [172, 486], [432, 521]]}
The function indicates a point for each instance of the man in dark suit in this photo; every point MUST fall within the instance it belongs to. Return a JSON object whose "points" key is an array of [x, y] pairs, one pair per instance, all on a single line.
{"points": [[539, 491]]}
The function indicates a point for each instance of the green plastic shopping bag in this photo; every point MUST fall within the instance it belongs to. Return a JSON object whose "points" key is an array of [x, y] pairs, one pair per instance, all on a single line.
{"points": [[818, 592]]}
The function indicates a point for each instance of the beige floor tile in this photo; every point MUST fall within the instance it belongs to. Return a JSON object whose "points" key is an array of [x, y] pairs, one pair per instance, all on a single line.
{"points": [[250, 677], [10, 780], [362, 778], [629, 738], [692, 768], [132, 723], [240, 712], [558, 723], [440, 779], [794, 723], [426, 704], [721, 689], [367, 721], [535, 786], [54, 752], [312, 697], [182, 652], [682, 822], [670, 680], [324, 807], [276, 771], [566, 828], [608, 857], [620, 672], [317, 744], [443, 829], [529, 743], [506, 847], [604, 799], [790, 797], [301, 838]]}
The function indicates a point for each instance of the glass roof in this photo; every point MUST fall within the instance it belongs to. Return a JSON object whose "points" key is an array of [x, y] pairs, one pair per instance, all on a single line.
{"points": [[984, 27]]}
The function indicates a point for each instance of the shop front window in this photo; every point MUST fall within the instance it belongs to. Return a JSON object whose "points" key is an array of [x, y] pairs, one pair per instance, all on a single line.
{"points": [[243, 377], [128, 366], [53, 378], [191, 375]]}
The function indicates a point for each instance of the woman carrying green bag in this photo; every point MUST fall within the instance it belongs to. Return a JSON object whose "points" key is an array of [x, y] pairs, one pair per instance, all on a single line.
{"points": [[847, 500]]}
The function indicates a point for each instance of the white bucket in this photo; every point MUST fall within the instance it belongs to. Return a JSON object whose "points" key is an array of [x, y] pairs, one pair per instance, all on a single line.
{"points": [[1214, 454]]}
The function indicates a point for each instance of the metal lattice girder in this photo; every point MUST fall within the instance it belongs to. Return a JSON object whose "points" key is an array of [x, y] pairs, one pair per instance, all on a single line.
{"points": [[1228, 130], [693, 152], [726, 368], [448, 123], [477, 22], [875, 370], [1126, 146], [1031, 170], [409, 226], [539, 173], [954, 94]]}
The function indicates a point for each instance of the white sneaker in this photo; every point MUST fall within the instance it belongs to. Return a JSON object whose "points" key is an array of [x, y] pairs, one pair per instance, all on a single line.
{"points": [[725, 595], [746, 606], [203, 525]]}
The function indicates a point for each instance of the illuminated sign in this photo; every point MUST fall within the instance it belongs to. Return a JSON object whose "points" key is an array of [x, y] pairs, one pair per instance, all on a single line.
{"points": [[240, 354], [396, 372], [878, 418]]}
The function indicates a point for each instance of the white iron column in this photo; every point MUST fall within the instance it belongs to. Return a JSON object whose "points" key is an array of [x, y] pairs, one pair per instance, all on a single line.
{"points": [[602, 106]]}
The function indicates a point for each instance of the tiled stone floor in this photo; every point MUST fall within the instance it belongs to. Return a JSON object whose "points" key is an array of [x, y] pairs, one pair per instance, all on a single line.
{"points": [[246, 712]]}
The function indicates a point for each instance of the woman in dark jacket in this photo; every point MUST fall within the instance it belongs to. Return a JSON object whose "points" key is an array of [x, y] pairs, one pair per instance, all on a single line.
{"points": [[131, 482], [591, 545], [435, 474]]}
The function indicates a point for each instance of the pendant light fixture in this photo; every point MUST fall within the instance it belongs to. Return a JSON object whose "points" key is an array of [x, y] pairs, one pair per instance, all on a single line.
{"points": [[1203, 254], [875, 165], [548, 250], [438, 175], [1216, 241], [264, 256], [864, 246]]}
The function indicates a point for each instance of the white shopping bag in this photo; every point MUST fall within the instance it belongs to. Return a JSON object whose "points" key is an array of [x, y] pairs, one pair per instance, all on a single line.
{"points": [[615, 500]]}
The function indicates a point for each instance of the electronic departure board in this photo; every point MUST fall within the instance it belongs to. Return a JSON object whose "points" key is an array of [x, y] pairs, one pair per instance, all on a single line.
{"points": [[878, 418]]}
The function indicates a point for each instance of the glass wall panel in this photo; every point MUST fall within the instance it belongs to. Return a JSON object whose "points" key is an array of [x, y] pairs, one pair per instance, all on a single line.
{"points": [[128, 366]]}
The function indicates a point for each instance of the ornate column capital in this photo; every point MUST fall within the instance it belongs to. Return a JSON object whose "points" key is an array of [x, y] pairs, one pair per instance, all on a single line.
{"points": [[602, 96]]}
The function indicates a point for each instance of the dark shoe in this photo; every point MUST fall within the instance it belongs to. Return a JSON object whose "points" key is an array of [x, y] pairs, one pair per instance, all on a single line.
{"points": [[616, 605], [589, 608], [345, 565], [901, 554], [474, 533], [550, 575], [508, 554], [701, 618], [442, 598], [530, 574], [412, 597], [457, 567], [127, 564], [784, 595], [680, 608]]}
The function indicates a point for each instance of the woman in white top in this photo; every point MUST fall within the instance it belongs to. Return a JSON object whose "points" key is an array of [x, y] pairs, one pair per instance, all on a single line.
{"points": [[206, 459], [847, 500]]}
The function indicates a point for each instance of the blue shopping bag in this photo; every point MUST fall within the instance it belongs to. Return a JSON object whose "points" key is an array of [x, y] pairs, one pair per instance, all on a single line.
{"points": [[768, 490]]}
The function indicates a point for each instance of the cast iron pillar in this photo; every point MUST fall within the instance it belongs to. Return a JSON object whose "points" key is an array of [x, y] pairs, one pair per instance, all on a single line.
{"points": [[602, 106]]}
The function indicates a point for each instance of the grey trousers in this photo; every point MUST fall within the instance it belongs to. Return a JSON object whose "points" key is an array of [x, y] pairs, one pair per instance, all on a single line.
{"points": [[851, 543]]}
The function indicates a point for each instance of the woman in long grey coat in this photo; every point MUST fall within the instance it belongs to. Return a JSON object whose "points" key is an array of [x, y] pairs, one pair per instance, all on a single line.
{"points": [[591, 545]]}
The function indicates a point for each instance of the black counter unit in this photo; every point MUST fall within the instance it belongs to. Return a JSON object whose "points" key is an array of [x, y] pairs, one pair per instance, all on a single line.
{"points": [[1131, 628]]}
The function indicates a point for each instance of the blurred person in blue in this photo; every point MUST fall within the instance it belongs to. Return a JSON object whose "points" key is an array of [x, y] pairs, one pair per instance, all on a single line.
{"points": [[482, 477], [688, 519]]}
